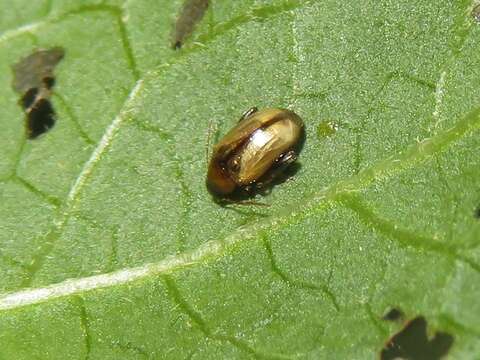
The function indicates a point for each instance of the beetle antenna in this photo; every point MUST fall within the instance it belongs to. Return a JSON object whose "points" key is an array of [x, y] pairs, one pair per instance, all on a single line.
{"points": [[207, 148], [251, 202], [209, 136]]}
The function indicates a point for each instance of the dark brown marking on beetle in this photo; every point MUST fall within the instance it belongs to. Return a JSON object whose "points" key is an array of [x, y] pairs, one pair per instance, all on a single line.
{"points": [[243, 143], [274, 119], [412, 343], [254, 187], [192, 13], [34, 81], [394, 314]]}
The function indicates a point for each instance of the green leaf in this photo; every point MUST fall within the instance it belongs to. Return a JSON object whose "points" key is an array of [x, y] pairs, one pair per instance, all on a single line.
{"points": [[111, 247]]}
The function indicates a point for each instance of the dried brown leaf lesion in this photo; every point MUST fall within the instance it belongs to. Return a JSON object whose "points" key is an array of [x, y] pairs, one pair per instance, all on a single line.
{"points": [[34, 80]]}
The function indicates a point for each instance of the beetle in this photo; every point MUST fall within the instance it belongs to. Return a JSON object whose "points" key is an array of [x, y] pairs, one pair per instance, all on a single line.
{"points": [[254, 153]]}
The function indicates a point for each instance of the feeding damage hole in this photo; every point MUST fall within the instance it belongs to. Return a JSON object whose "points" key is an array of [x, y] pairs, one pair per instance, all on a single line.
{"points": [[34, 81], [191, 14], [477, 212], [412, 343]]}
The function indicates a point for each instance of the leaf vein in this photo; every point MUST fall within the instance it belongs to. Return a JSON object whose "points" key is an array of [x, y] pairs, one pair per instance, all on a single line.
{"points": [[256, 14], [291, 282], [72, 197], [388, 79], [85, 326], [75, 121], [196, 318], [402, 236], [213, 249], [50, 199]]}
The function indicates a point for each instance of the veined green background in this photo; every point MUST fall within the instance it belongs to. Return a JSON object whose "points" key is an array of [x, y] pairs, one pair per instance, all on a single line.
{"points": [[380, 214]]}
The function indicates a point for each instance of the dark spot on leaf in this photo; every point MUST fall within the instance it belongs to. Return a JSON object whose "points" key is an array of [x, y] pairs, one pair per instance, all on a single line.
{"points": [[192, 12], [40, 118], [393, 314], [34, 80], [477, 213], [412, 343], [49, 82], [29, 98], [476, 13], [177, 45]]}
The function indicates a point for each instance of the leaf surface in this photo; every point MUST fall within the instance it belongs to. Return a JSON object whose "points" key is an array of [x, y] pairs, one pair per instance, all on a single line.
{"points": [[111, 247]]}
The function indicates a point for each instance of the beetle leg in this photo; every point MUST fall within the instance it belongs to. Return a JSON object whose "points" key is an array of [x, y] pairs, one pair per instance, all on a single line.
{"points": [[281, 164], [249, 112], [287, 158], [232, 203]]}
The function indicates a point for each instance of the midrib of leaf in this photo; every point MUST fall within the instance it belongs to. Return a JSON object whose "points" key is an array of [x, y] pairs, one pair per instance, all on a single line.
{"points": [[216, 248]]}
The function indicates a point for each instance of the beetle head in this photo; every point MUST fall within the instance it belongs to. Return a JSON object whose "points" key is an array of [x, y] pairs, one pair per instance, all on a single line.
{"points": [[219, 182]]}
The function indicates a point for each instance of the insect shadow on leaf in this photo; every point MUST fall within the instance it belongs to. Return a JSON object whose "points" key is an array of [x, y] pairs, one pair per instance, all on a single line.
{"points": [[412, 343], [34, 81]]}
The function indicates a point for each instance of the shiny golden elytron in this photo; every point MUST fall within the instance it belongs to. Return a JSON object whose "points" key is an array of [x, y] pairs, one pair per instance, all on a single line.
{"points": [[254, 153]]}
